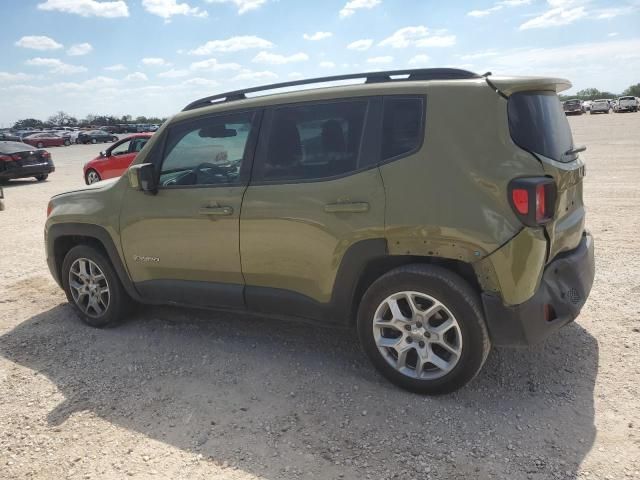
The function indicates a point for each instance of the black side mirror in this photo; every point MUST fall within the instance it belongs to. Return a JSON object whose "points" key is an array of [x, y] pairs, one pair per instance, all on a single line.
{"points": [[103, 154], [143, 177]]}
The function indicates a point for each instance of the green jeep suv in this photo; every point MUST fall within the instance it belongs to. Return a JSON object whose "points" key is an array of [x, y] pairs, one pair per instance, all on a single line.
{"points": [[436, 211]]}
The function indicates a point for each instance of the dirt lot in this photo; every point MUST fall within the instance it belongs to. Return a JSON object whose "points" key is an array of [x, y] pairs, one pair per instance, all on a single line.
{"points": [[183, 394]]}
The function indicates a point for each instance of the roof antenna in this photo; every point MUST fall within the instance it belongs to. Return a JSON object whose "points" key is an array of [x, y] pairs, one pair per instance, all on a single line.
{"points": [[486, 74]]}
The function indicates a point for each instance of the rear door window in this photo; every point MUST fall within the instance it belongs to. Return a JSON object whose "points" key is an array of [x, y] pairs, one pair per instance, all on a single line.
{"points": [[313, 141], [538, 124]]}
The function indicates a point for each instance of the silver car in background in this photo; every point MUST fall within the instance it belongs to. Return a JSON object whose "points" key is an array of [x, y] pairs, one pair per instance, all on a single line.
{"points": [[600, 106], [627, 104]]}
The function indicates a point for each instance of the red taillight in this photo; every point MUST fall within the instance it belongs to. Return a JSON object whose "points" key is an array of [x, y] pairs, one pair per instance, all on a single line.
{"points": [[520, 198], [533, 199], [49, 208], [45, 154], [5, 158]]}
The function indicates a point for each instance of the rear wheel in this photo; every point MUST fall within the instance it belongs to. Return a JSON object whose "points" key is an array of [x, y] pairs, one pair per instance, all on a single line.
{"points": [[93, 288], [423, 329], [93, 140], [40, 145], [114, 139], [92, 176], [67, 142], [42, 178]]}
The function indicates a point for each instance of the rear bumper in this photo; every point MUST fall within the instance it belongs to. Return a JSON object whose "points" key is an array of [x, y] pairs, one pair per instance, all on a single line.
{"points": [[26, 171], [564, 288]]}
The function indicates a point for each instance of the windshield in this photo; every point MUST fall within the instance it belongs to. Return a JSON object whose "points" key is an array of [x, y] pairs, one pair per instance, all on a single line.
{"points": [[538, 124]]}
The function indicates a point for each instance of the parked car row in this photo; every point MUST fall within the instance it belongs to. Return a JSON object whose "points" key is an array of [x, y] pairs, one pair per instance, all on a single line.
{"points": [[603, 105]]}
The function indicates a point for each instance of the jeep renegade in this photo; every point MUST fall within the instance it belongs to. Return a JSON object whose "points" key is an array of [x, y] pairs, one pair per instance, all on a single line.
{"points": [[437, 211]]}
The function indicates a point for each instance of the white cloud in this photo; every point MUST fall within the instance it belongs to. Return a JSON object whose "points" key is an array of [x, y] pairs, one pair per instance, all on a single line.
{"points": [[173, 73], [55, 66], [385, 60], [360, 45], [37, 42], [201, 82], [475, 56], [327, 64], [167, 8], [250, 75], [6, 77], [562, 12], [497, 7], [87, 8], [233, 44], [155, 62], [79, 49], [419, 60], [214, 66], [613, 34], [352, 5], [136, 76], [608, 13], [243, 6], [277, 59], [116, 68], [418, 36], [317, 36], [295, 75]]}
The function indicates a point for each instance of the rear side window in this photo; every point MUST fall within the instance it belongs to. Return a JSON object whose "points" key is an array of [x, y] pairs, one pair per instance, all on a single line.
{"points": [[402, 126], [314, 141], [538, 124]]}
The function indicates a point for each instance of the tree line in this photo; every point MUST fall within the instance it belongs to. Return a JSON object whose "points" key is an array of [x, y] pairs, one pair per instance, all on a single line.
{"points": [[63, 119], [594, 93]]}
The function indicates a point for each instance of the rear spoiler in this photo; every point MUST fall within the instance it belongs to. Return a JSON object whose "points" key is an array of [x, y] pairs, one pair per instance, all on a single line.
{"points": [[507, 86]]}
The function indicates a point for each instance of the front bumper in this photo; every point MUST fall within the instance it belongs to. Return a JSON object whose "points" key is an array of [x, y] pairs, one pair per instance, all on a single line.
{"points": [[564, 288]]}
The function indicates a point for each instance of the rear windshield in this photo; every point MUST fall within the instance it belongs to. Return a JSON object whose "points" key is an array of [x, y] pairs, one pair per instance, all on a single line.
{"points": [[627, 98], [538, 124]]}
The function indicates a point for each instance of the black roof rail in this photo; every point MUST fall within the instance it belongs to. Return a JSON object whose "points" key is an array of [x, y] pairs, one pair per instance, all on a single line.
{"points": [[370, 77]]}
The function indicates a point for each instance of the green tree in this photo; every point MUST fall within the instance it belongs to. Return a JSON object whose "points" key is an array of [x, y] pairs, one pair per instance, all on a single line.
{"points": [[589, 94], [28, 123], [633, 90]]}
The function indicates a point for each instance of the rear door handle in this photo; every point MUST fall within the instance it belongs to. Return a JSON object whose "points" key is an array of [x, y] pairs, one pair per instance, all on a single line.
{"points": [[218, 211], [347, 207]]}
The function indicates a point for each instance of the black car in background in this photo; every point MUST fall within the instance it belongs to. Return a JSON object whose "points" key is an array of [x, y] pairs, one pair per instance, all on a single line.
{"points": [[573, 107], [96, 136], [19, 160]]}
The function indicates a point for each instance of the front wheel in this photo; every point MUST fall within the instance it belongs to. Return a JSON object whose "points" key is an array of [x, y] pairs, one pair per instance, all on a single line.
{"points": [[93, 288], [93, 140], [114, 139], [67, 142], [92, 176], [39, 145], [423, 329]]}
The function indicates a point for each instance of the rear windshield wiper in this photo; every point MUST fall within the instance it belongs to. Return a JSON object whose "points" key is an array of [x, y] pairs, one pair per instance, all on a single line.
{"points": [[574, 150]]}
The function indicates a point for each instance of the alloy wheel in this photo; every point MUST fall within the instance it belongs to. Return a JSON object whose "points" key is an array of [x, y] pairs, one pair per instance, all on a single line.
{"points": [[92, 177], [89, 287], [417, 335]]}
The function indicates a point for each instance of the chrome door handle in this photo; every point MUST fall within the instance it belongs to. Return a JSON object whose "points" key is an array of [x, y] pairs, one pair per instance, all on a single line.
{"points": [[219, 211], [347, 207]]}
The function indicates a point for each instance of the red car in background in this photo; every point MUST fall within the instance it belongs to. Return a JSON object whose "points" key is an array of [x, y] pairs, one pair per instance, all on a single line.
{"points": [[116, 159], [41, 140]]}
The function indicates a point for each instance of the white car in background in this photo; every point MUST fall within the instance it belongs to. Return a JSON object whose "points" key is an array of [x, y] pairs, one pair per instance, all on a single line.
{"points": [[600, 106], [627, 104]]}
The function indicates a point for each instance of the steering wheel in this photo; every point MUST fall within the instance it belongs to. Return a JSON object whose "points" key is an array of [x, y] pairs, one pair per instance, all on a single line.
{"points": [[214, 170]]}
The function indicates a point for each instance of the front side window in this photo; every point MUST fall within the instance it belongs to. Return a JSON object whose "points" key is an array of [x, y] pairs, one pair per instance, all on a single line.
{"points": [[402, 126], [207, 151], [121, 149], [137, 144], [314, 141]]}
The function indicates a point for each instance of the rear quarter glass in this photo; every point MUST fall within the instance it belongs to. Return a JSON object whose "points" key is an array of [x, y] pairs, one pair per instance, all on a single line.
{"points": [[538, 124]]}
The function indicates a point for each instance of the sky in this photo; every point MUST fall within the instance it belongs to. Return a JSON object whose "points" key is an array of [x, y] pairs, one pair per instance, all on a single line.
{"points": [[152, 57]]}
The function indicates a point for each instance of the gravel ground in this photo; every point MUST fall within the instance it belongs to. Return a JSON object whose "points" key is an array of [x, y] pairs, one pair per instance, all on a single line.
{"points": [[185, 394]]}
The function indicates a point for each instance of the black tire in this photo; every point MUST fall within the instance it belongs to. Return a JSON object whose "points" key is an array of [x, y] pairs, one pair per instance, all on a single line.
{"points": [[67, 142], [86, 176], [457, 296], [93, 140], [42, 178], [39, 145], [119, 302], [114, 139]]}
